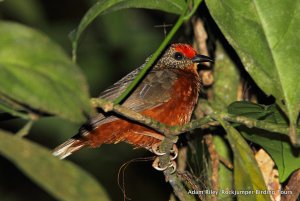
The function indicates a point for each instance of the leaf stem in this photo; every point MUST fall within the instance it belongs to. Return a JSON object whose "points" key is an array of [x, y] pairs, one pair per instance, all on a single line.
{"points": [[25, 130], [183, 18], [151, 60], [198, 123], [252, 123], [15, 113], [108, 106]]}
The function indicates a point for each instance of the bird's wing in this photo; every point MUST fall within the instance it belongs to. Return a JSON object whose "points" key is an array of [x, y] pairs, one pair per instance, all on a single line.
{"points": [[152, 91]]}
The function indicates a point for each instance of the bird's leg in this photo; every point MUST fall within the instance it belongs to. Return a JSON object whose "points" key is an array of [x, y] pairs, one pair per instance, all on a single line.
{"points": [[174, 151], [156, 166], [172, 163], [155, 149]]}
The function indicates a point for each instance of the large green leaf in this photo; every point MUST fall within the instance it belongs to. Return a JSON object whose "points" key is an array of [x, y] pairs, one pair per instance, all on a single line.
{"points": [[266, 35], [286, 157], [106, 6], [62, 179], [268, 113], [36, 72], [247, 175]]}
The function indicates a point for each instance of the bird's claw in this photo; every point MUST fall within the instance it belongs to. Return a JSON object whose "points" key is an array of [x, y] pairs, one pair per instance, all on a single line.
{"points": [[172, 164], [155, 150], [173, 156], [174, 151]]}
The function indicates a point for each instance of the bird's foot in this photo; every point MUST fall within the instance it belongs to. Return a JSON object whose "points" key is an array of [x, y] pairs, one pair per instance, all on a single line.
{"points": [[173, 152], [172, 164], [173, 155]]}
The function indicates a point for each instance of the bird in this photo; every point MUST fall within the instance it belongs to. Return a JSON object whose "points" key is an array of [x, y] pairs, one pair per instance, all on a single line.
{"points": [[167, 93]]}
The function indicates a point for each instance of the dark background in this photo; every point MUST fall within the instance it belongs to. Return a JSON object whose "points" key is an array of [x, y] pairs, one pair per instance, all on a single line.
{"points": [[112, 46]]}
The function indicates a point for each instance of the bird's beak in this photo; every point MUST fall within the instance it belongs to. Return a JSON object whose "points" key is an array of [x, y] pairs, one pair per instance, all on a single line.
{"points": [[201, 58]]}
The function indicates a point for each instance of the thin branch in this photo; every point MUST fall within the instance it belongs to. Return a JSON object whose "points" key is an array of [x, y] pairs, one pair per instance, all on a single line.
{"points": [[172, 178], [198, 123], [252, 123], [225, 162], [25, 129], [15, 109], [108, 106], [292, 189], [182, 159], [214, 157], [151, 60], [183, 18], [16, 113], [191, 183]]}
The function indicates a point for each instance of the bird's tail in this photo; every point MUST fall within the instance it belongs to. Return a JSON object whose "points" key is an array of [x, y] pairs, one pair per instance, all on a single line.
{"points": [[68, 147]]}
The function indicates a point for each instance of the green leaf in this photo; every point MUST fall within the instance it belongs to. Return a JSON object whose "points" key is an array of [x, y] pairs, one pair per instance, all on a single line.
{"points": [[175, 6], [104, 7], [62, 179], [269, 113], [247, 175], [248, 109], [286, 157], [266, 34], [225, 174], [278, 146], [36, 72]]}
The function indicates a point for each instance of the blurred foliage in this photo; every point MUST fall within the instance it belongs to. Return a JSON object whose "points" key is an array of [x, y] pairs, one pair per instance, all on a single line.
{"points": [[59, 86], [38, 164], [38, 78]]}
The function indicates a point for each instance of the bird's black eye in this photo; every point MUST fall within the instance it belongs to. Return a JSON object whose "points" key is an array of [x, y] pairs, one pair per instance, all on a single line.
{"points": [[178, 56]]}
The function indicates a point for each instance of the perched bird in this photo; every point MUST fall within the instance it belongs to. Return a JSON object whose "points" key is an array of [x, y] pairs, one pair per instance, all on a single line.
{"points": [[167, 93]]}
